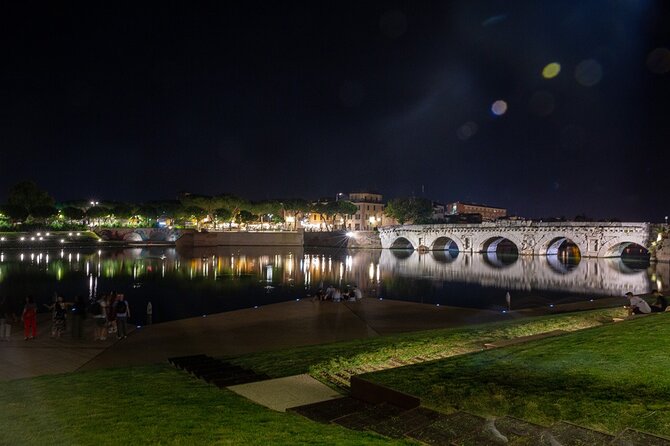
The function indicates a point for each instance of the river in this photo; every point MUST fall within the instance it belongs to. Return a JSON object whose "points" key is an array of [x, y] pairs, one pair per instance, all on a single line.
{"points": [[227, 278]]}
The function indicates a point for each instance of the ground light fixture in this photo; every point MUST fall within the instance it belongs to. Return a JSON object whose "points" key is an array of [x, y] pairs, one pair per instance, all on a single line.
{"points": [[350, 234]]}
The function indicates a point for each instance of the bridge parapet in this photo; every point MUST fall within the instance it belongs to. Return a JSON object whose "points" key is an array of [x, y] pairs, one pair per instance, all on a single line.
{"points": [[529, 237]]}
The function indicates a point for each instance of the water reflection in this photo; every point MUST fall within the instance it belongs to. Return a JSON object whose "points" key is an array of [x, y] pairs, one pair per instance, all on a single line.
{"points": [[220, 279]]}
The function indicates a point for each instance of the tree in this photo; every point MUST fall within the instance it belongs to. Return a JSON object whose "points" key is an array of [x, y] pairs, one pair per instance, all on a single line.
{"points": [[123, 211], [416, 210], [147, 212], [43, 213], [246, 217], [72, 213], [14, 213], [28, 196], [331, 209], [96, 214]]}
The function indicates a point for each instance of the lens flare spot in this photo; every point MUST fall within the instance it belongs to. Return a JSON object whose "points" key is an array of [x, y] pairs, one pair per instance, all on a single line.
{"points": [[658, 60], [589, 72], [551, 70], [467, 131], [499, 107]]}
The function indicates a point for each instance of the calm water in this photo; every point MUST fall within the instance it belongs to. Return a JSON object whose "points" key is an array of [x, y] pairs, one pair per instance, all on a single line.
{"points": [[223, 279]]}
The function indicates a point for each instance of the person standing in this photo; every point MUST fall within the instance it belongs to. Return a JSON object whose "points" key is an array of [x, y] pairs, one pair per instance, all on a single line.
{"points": [[97, 309], [5, 322], [59, 316], [150, 313], [122, 311], [29, 318]]}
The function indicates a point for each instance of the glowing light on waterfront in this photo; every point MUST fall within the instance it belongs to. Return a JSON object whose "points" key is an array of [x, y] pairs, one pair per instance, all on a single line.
{"points": [[499, 107]]}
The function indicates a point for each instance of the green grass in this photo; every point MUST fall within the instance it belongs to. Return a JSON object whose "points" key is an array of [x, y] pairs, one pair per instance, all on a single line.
{"points": [[608, 378], [150, 405], [335, 363]]}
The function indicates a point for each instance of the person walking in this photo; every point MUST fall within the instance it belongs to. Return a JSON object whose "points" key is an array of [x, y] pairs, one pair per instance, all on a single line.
{"points": [[122, 311], [5, 322], [29, 318]]}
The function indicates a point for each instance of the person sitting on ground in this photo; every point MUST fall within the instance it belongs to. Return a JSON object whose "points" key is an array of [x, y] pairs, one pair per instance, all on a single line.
{"points": [[637, 305], [337, 295], [661, 302], [357, 293], [329, 292]]}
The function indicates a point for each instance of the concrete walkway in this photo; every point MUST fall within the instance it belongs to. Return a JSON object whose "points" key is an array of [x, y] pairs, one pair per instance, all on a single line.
{"points": [[282, 393], [45, 355], [271, 327]]}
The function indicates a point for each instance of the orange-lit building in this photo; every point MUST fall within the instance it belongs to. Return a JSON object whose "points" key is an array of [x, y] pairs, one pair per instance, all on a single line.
{"points": [[488, 213]]}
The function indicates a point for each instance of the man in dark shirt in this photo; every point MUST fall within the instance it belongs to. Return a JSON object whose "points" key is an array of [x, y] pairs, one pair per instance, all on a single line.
{"points": [[660, 304]]}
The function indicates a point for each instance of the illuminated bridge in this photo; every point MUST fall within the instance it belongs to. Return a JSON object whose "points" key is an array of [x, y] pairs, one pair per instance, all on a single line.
{"points": [[525, 237]]}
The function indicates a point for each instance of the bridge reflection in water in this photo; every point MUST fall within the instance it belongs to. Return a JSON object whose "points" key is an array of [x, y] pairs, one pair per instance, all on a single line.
{"points": [[593, 276], [210, 280]]}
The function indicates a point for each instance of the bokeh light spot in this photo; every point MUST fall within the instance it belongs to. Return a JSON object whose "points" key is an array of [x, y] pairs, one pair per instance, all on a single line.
{"points": [[551, 70], [499, 107], [589, 72], [658, 60], [467, 131]]}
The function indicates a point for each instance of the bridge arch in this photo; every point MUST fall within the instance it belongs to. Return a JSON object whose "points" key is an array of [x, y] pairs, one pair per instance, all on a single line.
{"points": [[560, 242], [623, 248], [446, 243], [499, 244], [402, 243]]}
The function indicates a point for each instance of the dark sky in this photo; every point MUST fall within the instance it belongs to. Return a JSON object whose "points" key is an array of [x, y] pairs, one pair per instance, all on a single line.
{"points": [[137, 101]]}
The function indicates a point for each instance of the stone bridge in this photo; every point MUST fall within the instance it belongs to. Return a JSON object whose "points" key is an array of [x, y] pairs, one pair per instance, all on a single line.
{"points": [[529, 237], [591, 276]]}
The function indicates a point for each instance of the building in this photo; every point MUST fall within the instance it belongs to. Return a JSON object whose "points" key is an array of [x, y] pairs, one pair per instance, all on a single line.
{"points": [[439, 211], [488, 213], [370, 213]]}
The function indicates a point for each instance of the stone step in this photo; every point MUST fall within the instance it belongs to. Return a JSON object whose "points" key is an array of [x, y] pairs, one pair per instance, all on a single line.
{"points": [[399, 426], [449, 429], [368, 417], [327, 411], [632, 437], [523, 339], [568, 434], [238, 379], [221, 370]]}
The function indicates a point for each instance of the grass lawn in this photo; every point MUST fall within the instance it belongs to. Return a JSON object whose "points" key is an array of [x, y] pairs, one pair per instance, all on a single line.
{"points": [[150, 405], [335, 363], [607, 378]]}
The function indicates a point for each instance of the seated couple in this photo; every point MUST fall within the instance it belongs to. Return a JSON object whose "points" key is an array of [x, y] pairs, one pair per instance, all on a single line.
{"points": [[640, 306]]}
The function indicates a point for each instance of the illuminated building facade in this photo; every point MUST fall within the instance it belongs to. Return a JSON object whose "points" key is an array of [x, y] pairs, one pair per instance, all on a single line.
{"points": [[488, 213]]}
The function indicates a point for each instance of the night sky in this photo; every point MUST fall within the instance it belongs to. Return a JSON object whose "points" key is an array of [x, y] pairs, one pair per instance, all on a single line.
{"points": [[137, 101]]}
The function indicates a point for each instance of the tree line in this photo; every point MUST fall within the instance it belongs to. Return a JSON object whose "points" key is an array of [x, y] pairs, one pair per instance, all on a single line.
{"points": [[28, 205]]}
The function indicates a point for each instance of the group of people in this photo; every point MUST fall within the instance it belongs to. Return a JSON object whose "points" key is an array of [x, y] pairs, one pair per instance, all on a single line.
{"points": [[110, 314], [641, 306], [336, 295]]}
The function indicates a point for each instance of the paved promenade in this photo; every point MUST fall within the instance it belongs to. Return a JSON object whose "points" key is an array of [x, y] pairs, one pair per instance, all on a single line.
{"points": [[270, 327]]}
